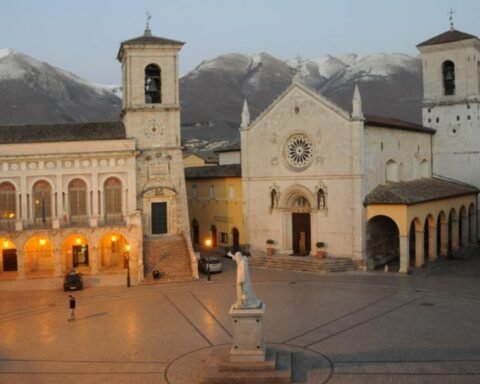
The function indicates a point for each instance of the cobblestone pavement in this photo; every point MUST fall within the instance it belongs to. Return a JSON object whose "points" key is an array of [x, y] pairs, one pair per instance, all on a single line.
{"points": [[368, 327]]}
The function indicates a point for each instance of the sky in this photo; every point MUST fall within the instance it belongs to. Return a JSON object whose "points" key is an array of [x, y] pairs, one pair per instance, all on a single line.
{"points": [[83, 36]]}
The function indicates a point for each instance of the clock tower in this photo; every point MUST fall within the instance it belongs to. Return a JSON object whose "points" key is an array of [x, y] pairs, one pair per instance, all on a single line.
{"points": [[151, 116]]}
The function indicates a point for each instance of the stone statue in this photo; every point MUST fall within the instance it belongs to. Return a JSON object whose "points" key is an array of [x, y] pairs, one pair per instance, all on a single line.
{"points": [[245, 296]]}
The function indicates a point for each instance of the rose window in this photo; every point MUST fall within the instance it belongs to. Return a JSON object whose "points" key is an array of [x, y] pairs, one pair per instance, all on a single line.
{"points": [[299, 151]]}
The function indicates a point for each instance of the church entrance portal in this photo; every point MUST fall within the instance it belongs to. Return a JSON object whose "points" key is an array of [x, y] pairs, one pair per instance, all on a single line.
{"points": [[301, 242]]}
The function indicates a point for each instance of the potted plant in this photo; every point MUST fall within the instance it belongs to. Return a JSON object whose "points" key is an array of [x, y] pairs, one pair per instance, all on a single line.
{"points": [[269, 247], [320, 249]]}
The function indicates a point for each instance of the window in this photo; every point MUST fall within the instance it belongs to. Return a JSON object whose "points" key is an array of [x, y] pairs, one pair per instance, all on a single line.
{"points": [[391, 171], [77, 196], [153, 85], [231, 192], [8, 208], [42, 200], [448, 72], [211, 193], [113, 200], [194, 192]]}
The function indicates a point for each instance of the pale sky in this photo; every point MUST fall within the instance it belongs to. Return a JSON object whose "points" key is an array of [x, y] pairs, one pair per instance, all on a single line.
{"points": [[83, 36]]}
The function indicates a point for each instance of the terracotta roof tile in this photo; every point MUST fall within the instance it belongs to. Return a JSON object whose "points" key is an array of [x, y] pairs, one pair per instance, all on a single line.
{"points": [[43, 133], [418, 191]]}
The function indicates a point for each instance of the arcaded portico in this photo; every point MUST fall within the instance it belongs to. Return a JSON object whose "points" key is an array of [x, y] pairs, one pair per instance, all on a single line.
{"points": [[418, 221]]}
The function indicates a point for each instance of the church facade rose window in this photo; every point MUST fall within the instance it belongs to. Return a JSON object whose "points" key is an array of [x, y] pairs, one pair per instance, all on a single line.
{"points": [[299, 151]]}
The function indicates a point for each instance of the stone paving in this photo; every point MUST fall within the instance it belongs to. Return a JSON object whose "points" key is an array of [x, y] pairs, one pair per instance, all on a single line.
{"points": [[363, 327]]}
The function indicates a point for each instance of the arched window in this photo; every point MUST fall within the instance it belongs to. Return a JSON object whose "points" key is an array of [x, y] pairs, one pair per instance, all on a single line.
{"points": [[391, 171], [113, 200], [77, 196], [153, 84], [42, 200], [448, 72], [8, 209]]}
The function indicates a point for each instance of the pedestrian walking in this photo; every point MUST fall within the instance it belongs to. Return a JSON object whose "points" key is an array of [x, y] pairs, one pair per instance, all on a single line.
{"points": [[72, 304]]}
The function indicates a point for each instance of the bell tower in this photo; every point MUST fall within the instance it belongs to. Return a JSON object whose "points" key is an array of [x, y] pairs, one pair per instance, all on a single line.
{"points": [[151, 116], [451, 103]]}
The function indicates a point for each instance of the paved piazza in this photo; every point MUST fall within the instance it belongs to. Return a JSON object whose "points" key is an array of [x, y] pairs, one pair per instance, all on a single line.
{"points": [[360, 327]]}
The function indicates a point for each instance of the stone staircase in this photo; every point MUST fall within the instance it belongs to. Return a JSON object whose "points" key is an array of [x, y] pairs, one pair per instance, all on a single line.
{"points": [[302, 263], [168, 254]]}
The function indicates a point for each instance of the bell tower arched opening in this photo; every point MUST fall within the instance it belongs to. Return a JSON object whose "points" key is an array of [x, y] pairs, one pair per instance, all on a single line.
{"points": [[153, 84], [448, 74]]}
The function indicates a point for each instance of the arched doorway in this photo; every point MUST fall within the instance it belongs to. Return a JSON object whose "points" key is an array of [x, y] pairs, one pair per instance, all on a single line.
{"points": [[383, 244], [75, 253], [39, 257], [301, 233], [112, 251]]}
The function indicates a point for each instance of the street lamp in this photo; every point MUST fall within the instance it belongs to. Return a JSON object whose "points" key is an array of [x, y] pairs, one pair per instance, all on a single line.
{"points": [[127, 259], [208, 243]]}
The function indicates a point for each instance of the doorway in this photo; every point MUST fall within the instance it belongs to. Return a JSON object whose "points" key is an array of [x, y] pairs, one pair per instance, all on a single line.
{"points": [[159, 218], [80, 255], [301, 236], [10, 260]]}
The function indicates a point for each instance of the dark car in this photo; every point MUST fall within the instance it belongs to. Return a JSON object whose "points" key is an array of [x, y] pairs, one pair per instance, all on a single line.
{"points": [[212, 262], [73, 281]]}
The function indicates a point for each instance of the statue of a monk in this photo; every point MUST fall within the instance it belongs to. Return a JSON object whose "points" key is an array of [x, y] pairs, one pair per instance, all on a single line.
{"points": [[245, 296]]}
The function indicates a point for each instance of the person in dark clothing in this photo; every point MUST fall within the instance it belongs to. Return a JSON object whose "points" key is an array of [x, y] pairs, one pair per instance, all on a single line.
{"points": [[72, 304]]}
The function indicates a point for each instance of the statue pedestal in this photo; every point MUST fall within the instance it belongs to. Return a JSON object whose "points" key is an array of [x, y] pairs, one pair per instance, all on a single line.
{"points": [[248, 343]]}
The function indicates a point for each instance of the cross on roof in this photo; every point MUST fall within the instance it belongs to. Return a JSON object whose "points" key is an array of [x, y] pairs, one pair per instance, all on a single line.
{"points": [[451, 12]]}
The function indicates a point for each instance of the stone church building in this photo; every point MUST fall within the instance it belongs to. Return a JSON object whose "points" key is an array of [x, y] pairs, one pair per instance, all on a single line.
{"points": [[102, 198], [369, 188]]}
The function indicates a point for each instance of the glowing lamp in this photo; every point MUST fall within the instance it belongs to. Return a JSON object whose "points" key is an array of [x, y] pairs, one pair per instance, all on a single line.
{"points": [[43, 241], [78, 240], [114, 238], [5, 244], [208, 242], [127, 247]]}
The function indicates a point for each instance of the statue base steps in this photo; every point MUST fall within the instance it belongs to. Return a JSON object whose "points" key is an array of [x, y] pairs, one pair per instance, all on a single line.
{"points": [[276, 368]]}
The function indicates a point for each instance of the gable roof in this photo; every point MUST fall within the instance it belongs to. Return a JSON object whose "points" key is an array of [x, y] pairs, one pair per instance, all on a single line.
{"points": [[447, 37], [44, 133], [418, 191], [305, 89]]}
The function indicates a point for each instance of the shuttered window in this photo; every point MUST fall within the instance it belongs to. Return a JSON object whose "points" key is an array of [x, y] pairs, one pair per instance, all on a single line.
{"points": [[77, 194], [42, 200], [8, 208], [113, 200]]}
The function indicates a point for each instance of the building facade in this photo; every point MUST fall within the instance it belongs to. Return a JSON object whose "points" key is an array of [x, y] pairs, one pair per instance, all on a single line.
{"points": [[102, 197]]}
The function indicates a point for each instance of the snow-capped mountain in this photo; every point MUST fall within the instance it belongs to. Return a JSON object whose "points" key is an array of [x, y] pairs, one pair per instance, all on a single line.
{"points": [[212, 95], [35, 92]]}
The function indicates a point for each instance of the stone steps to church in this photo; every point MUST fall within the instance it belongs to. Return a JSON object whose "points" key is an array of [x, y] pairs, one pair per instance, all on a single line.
{"points": [[169, 255], [305, 264]]}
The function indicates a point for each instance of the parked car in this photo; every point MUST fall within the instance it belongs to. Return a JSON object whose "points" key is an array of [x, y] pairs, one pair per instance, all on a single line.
{"points": [[73, 281], [211, 262]]}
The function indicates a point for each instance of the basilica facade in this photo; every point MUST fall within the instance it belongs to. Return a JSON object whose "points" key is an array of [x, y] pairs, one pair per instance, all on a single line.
{"points": [[367, 187]]}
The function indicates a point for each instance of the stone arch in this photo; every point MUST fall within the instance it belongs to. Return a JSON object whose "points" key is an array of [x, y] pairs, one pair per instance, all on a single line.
{"points": [[291, 195], [112, 250], [155, 184], [448, 77], [153, 84], [75, 252], [383, 242], [453, 241], [8, 205], [42, 204], [39, 256]]}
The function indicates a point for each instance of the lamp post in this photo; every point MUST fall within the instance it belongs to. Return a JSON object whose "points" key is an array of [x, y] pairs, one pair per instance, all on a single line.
{"points": [[127, 259], [208, 243]]}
